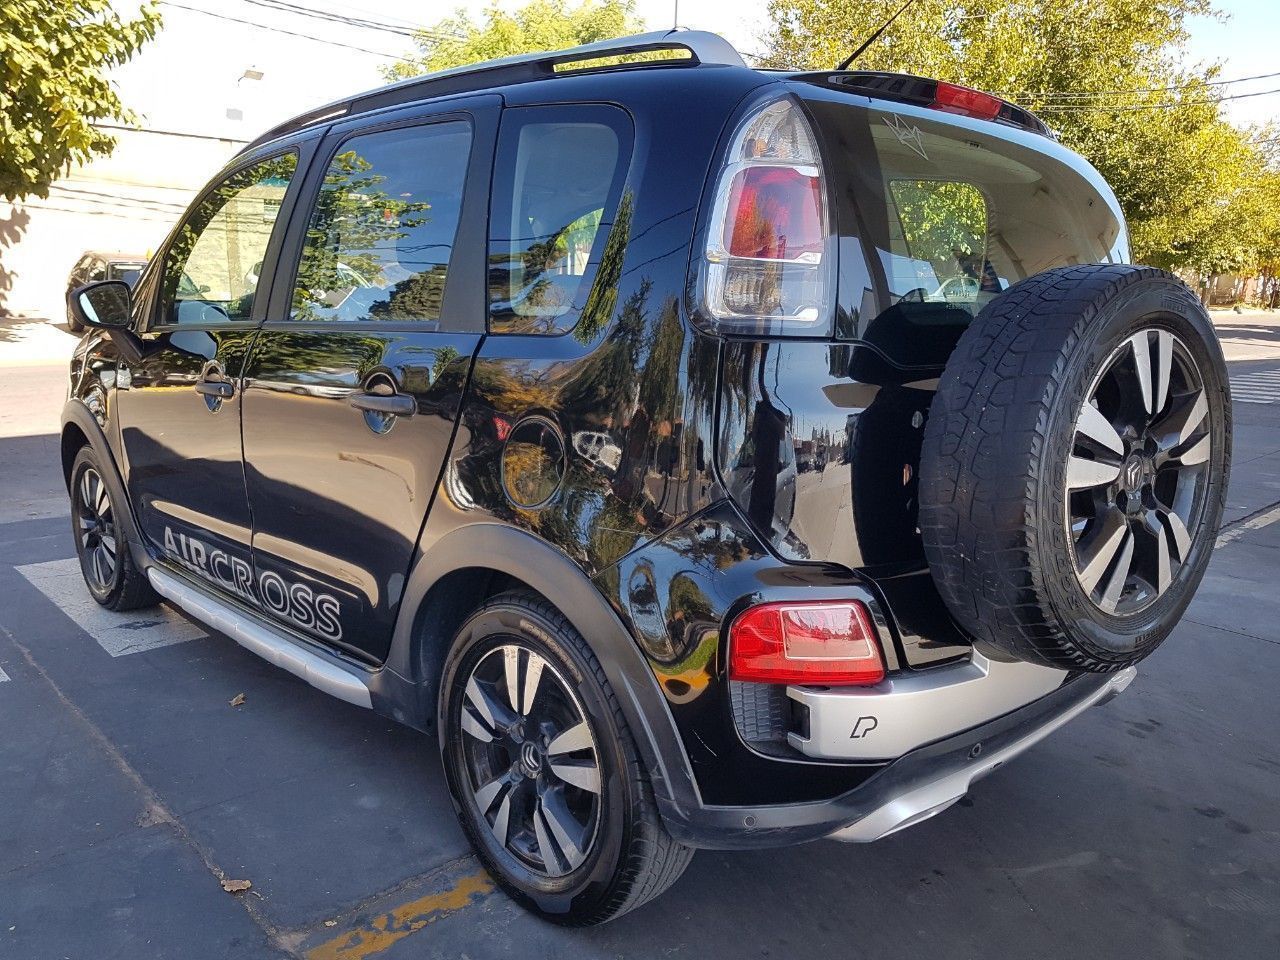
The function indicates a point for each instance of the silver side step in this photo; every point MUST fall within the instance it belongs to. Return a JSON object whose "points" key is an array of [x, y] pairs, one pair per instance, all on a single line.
{"points": [[254, 636]]}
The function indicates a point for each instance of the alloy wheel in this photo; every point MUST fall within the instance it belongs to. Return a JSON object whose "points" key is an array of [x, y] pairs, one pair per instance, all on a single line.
{"points": [[531, 760], [1136, 472], [95, 526]]}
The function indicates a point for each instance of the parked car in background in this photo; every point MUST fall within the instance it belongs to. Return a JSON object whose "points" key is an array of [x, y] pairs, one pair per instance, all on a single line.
{"points": [[95, 265]]}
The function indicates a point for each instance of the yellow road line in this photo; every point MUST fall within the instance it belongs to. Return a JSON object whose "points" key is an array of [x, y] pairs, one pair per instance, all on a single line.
{"points": [[393, 926]]}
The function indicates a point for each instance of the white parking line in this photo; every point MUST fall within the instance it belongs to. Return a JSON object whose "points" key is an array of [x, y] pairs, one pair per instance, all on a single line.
{"points": [[1260, 386], [117, 633], [1253, 523]]}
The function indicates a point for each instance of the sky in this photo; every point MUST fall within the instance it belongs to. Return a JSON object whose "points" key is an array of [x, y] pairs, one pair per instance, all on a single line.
{"points": [[192, 77]]}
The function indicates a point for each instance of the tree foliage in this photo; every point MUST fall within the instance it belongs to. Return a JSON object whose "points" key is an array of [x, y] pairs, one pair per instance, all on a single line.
{"points": [[54, 56], [1190, 183], [539, 25]]}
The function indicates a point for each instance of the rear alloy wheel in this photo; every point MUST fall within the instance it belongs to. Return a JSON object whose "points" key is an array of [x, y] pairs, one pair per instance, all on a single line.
{"points": [[543, 769], [531, 760], [1136, 472]]}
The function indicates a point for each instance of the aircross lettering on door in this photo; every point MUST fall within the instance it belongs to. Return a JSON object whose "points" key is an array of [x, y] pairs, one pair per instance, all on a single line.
{"points": [[295, 602], [354, 382]]}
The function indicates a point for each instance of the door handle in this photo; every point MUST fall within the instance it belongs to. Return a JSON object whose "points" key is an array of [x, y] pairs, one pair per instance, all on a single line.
{"points": [[395, 404], [222, 389]]}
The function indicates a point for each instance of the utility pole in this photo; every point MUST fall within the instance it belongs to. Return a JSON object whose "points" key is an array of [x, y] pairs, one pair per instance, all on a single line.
{"points": [[675, 16]]}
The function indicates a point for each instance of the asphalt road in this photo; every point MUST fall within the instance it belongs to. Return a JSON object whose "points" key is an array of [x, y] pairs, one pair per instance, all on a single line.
{"points": [[130, 787]]}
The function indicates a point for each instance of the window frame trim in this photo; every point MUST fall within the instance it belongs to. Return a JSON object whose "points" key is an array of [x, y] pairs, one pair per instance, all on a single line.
{"points": [[480, 114], [152, 321]]}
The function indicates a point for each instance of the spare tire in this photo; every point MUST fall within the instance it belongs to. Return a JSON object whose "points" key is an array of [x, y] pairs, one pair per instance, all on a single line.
{"points": [[1075, 465]]}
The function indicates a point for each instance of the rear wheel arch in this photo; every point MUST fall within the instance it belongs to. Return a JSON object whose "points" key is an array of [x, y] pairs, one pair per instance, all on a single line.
{"points": [[467, 566]]}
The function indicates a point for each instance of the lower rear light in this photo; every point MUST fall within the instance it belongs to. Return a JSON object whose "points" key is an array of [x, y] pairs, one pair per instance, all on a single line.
{"points": [[828, 643], [970, 103], [767, 264]]}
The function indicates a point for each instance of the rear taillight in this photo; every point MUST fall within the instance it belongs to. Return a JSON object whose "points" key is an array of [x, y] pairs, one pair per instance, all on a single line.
{"points": [[963, 100], [767, 263], [828, 643]]}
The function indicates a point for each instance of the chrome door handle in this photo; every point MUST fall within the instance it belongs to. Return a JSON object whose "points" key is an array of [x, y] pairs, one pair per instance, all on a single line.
{"points": [[222, 389], [395, 404]]}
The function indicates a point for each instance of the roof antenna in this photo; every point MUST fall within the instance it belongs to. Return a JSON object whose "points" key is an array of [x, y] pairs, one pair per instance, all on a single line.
{"points": [[844, 64]]}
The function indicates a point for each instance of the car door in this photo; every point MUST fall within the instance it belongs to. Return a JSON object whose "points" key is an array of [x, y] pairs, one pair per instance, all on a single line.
{"points": [[353, 386], [178, 405]]}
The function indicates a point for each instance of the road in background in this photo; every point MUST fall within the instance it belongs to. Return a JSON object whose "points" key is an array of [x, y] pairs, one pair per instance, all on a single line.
{"points": [[131, 788]]}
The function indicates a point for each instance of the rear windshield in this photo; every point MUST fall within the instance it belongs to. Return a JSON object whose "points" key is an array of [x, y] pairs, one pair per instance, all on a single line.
{"points": [[950, 217]]}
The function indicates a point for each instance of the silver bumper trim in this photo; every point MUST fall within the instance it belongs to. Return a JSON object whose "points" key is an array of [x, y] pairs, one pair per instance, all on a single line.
{"points": [[909, 710], [924, 801], [258, 638]]}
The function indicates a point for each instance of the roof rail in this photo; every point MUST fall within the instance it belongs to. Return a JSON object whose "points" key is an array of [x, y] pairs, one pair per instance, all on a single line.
{"points": [[703, 48]]}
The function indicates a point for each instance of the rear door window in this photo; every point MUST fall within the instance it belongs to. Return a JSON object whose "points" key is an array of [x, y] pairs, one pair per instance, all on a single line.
{"points": [[382, 232], [557, 181]]}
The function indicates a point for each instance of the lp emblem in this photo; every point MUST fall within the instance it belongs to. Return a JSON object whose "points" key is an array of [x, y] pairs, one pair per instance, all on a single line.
{"points": [[864, 726]]}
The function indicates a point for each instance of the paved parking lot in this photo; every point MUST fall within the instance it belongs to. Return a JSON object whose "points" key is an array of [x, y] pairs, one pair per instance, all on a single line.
{"points": [[131, 788]]}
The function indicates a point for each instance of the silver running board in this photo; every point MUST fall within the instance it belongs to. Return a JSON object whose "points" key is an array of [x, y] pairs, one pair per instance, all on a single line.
{"points": [[257, 638]]}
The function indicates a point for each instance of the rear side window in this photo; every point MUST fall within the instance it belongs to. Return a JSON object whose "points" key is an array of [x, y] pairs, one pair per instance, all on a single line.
{"points": [[557, 179], [381, 235]]}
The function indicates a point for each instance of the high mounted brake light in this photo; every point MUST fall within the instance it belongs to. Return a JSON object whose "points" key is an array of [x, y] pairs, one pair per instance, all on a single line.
{"points": [[767, 264], [829, 643], [966, 101], [939, 95]]}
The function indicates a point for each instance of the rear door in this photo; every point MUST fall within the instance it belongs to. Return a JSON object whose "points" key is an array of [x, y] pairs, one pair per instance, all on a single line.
{"points": [[356, 377]]}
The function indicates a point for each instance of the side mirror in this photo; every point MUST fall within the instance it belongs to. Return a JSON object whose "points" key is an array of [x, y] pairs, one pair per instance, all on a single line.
{"points": [[104, 305]]}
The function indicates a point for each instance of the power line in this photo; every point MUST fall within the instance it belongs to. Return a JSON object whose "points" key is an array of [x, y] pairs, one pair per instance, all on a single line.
{"points": [[1116, 93], [327, 16], [1050, 108], [288, 33], [166, 133]]}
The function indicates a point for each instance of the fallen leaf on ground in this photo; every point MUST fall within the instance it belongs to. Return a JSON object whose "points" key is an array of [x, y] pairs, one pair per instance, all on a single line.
{"points": [[237, 700], [236, 886]]}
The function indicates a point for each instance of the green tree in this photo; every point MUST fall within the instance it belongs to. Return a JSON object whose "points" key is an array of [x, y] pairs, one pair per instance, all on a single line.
{"points": [[539, 25], [54, 57], [1158, 135]]}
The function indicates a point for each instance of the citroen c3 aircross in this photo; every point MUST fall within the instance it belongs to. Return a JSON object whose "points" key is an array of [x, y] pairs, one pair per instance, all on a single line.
{"points": [[704, 456]]}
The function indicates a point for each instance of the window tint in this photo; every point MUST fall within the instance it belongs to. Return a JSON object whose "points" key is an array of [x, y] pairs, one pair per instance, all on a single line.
{"points": [[213, 266], [953, 213], [381, 234], [556, 183]]}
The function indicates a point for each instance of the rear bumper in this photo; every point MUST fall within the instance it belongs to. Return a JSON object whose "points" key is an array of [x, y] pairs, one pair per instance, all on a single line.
{"points": [[913, 788]]}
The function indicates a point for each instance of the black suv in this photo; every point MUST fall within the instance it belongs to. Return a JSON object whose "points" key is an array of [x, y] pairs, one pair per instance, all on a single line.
{"points": [[708, 456]]}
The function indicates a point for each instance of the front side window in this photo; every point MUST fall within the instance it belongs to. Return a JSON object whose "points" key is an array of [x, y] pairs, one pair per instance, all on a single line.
{"points": [[214, 264], [557, 179], [379, 240]]}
